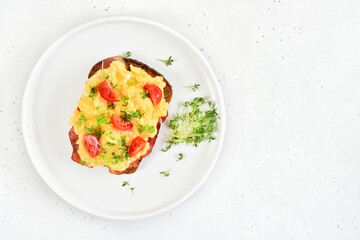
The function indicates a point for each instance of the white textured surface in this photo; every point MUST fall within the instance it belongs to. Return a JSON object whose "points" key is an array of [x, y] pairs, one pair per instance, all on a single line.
{"points": [[290, 165]]}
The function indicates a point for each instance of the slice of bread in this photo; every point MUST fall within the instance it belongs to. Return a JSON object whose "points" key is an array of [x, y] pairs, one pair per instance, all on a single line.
{"points": [[167, 96]]}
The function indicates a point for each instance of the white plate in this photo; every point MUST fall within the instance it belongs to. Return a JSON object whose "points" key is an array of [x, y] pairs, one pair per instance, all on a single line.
{"points": [[54, 88]]}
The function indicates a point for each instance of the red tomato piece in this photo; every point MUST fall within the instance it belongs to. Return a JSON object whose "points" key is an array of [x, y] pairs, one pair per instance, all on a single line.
{"points": [[120, 123], [136, 146], [154, 93], [107, 92], [92, 145]]}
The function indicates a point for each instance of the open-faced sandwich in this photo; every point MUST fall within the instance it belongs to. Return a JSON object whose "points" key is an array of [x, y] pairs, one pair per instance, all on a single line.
{"points": [[119, 114]]}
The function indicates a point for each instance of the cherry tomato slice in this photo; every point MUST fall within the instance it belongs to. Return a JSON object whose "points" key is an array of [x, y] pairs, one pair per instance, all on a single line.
{"points": [[155, 93], [120, 123], [136, 146], [92, 145], [107, 92]]}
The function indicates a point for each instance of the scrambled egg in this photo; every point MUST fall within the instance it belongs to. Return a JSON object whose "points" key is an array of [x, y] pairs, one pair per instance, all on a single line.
{"points": [[114, 143]]}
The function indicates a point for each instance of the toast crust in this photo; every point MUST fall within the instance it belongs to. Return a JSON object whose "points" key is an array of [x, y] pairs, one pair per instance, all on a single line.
{"points": [[167, 95]]}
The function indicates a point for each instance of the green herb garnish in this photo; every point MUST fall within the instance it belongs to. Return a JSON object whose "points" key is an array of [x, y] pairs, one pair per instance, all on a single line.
{"points": [[104, 150], [82, 119], [105, 157], [144, 94], [128, 54], [109, 134], [92, 131], [125, 183], [196, 123], [101, 119], [128, 116], [166, 173], [125, 152], [131, 83], [117, 158], [151, 129], [122, 142], [108, 161], [168, 61], [93, 90], [132, 190], [147, 127], [83, 162], [137, 114], [97, 108], [166, 148], [88, 130], [125, 115], [125, 100], [180, 157], [194, 87], [110, 106], [142, 128], [114, 85]]}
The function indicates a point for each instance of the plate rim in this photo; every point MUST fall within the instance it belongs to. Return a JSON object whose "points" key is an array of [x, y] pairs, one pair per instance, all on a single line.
{"points": [[28, 132]]}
